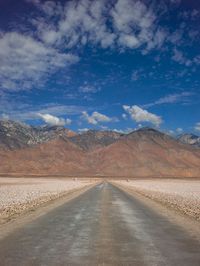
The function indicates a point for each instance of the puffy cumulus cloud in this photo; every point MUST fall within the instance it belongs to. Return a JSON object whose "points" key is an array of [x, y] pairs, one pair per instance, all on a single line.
{"points": [[197, 126], [140, 115], [134, 24], [118, 23], [26, 62], [54, 120], [95, 118], [28, 59]]}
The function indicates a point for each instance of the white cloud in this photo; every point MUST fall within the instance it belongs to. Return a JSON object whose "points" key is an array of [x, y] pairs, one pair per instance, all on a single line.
{"points": [[170, 132], [124, 116], [140, 115], [68, 121], [88, 89], [179, 57], [54, 120], [129, 41], [26, 62], [95, 118], [119, 23], [82, 130], [171, 98], [197, 126], [5, 116], [123, 131], [16, 109], [104, 127], [179, 130]]}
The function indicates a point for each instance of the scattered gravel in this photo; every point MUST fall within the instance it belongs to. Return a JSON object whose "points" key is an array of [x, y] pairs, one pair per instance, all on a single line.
{"points": [[18, 195], [183, 195]]}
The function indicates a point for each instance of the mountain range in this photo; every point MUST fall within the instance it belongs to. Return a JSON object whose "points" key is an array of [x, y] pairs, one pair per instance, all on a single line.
{"points": [[54, 150], [190, 139]]}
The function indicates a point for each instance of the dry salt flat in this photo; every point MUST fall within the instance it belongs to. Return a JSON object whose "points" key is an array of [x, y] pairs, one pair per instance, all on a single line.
{"points": [[18, 195], [183, 195]]}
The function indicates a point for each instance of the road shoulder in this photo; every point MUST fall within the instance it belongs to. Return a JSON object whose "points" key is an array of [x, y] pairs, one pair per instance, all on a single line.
{"points": [[190, 225]]}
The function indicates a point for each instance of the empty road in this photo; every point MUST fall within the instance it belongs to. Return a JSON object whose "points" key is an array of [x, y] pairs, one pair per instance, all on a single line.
{"points": [[103, 226]]}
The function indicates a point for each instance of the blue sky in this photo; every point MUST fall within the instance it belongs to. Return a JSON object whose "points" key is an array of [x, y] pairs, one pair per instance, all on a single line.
{"points": [[119, 64]]}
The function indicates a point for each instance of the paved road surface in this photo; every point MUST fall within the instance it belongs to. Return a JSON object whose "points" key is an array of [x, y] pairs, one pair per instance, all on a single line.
{"points": [[103, 226]]}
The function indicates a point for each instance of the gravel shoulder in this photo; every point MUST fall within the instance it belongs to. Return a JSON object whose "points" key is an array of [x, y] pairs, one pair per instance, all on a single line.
{"points": [[180, 195], [22, 195]]}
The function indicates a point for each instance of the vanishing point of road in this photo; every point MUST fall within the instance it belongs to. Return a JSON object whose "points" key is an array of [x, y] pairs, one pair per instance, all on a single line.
{"points": [[103, 226]]}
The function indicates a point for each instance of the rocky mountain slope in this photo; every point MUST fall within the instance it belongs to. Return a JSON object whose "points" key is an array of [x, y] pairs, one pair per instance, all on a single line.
{"points": [[190, 139], [142, 153], [58, 156], [93, 139], [148, 152], [15, 135]]}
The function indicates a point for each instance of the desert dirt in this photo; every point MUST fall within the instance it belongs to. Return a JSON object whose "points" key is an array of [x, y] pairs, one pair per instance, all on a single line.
{"points": [[20, 195], [181, 195]]}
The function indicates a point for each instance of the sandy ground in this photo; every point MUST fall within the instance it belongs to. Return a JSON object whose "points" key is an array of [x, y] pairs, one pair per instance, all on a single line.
{"points": [[19, 195], [182, 195]]}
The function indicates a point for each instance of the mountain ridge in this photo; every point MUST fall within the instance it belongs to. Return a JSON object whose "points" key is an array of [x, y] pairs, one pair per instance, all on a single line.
{"points": [[189, 138], [142, 153], [16, 135]]}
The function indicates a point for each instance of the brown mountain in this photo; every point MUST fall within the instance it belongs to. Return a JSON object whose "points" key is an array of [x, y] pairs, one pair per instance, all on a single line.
{"points": [[190, 139], [15, 135], [93, 139], [58, 156], [145, 152]]}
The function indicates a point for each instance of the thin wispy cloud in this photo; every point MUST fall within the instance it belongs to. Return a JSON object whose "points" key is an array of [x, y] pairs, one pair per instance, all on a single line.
{"points": [[87, 89], [26, 63], [17, 110], [171, 99]]}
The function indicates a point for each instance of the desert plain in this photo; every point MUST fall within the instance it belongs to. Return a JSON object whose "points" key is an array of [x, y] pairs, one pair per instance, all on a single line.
{"points": [[182, 195], [21, 195]]}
